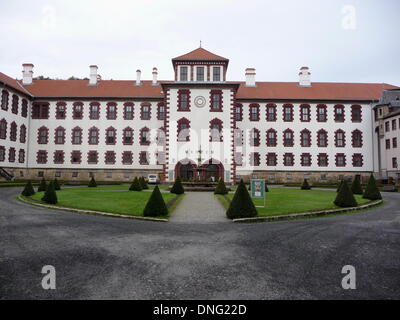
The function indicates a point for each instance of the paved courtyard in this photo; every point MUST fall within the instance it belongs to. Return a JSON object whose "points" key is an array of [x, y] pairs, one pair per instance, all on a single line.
{"points": [[100, 257]]}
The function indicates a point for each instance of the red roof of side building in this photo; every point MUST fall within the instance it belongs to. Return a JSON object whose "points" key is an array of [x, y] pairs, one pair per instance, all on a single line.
{"points": [[15, 84], [200, 54]]}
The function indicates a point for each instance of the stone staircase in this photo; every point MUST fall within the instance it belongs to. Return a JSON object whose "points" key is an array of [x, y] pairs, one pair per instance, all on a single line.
{"points": [[6, 175]]}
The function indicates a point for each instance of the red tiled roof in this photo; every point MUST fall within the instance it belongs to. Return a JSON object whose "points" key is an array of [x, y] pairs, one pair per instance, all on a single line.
{"points": [[200, 54], [13, 83], [317, 91]]}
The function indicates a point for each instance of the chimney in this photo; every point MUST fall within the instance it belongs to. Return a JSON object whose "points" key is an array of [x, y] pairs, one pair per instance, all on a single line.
{"points": [[27, 73], [250, 77], [93, 76], [138, 73], [154, 76], [304, 77]]}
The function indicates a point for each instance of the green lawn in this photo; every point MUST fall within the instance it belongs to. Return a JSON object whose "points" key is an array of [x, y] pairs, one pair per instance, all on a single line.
{"points": [[101, 199], [109, 188], [280, 201]]}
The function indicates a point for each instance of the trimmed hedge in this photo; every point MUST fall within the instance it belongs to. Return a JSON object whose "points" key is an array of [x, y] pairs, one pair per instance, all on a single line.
{"points": [[371, 191], [56, 185], [339, 185], [177, 188], [345, 197], [50, 195], [156, 206], [221, 187], [356, 185], [305, 185], [135, 186], [42, 185], [28, 190], [92, 183], [143, 183], [241, 205]]}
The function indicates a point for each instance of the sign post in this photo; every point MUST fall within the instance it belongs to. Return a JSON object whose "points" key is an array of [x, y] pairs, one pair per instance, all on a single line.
{"points": [[257, 190]]}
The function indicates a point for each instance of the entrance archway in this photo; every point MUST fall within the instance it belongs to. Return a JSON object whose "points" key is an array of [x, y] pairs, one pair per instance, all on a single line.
{"points": [[186, 169], [213, 169]]}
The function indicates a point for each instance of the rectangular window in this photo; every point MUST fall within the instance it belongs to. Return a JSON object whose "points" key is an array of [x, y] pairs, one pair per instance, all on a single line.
{"points": [[216, 101], [75, 174], [271, 113], [387, 143], [216, 74], [40, 111], [387, 126], [238, 113], [111, 112], [57, 174], [143, 158], [184, 74], [394, 142], [394, 163], [76, 157], [200, 74], [2, 154], [94, 112], [58, 157]]}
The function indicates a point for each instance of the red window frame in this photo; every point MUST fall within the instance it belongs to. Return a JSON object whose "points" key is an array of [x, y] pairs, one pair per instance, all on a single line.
{"points": [[112, 111], [271, 112], [76, 136], [183, 93], [77, 111], [111, 139], [183, 135], [43, 135], [216, 101], [94, 111], [57, 136], [288, 142], [322, 116], [287, 116], [129, 115], [214, 137], [254, 112], [61, 110], [95, 136], [127, 133], [145, 136], [305, 116]]}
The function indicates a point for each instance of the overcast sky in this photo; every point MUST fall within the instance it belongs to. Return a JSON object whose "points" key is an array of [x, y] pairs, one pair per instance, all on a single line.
{"points": [[342, 41]]}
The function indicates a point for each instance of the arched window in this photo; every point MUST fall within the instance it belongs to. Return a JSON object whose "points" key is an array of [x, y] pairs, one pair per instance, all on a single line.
{"points": [[94, 111], [21, 156], [13, 131], [322, 138], [288, 138], [3, 129], [4, 100], [111, 111], [356, 139], [271, 112], [287, 112], [61, 110], [145, 136], [254, 112], [271, 138], [14, 105], [216, 130], [254, 137], [183, 130], [145, 111], [305, 113], [77, 112], [127, 136], [305, 138], [43, 134], [321, 113], [22, 134], [93, 136], [339, 113], [340, 139], [76, 135], [59, 135], [24, 108], [128, 110], [111, 136]]}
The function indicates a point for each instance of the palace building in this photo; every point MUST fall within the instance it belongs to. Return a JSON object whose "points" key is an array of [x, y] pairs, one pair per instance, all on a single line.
{"points": [[199, 123]]}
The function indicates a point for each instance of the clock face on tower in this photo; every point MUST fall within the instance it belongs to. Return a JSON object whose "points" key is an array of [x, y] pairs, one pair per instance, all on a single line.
{"points": [[200, 101]]}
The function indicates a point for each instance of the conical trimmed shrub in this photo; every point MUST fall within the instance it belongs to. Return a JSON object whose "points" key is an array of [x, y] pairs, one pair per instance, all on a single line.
{"points": [[143, 183], [50, 195], [42, 185], [135, 186], [156, 206], [345, 197], [177, 188], [28, 190], [371, 191], [356, 185], [339, 185], [305, 185], [221, 188], [92, 183], [241, 205], [56, 185], [266, 187]]}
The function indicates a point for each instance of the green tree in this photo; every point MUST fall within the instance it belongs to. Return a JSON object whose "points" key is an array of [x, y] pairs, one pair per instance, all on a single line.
{"points": [[28, 190], [356, 185], [56, 185], [50, 195], [371, 191], [135, 186], [345, 197], [42, 185], [92, 183], [143, 183], [156, 206], [221, 187], [241, 205], [177, 188], [305, 185]]}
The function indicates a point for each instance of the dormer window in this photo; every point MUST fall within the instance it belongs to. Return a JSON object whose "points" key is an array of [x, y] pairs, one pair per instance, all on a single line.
{"points": [[216, 74], [200, 73], [184, 74]]}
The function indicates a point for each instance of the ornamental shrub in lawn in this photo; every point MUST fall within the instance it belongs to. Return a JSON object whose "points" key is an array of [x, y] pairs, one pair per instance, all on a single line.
{"points": [[92, 183], [28, 190], [339, 185], [50, 195], [42, 185], [135, 186], [177, 188], [221, 188], [241, 205], [356, 185], [156, 206], [345, 197], [371, 191], [56, 185], [143, 183], [305, 185]]}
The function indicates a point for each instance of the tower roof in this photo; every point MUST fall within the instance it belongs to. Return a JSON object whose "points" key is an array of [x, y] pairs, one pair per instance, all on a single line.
{"points": [[200, 54]]}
